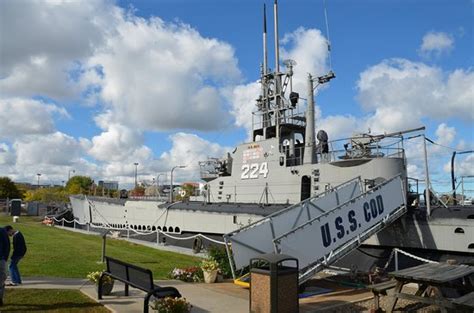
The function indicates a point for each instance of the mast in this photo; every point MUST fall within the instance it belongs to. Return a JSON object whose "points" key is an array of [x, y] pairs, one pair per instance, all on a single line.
{"points": [[265, 105], [309, 132], [277, 72], [265, 65]]}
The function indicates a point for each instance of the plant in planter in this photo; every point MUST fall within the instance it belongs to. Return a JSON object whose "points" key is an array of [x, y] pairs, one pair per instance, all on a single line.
{"points": [[171, 305], [107, 281], [189, 274], [210, 267]]}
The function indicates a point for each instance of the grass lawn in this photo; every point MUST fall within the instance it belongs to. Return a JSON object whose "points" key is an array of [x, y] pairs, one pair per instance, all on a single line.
{"points": [[49, 300], [53, 252]]}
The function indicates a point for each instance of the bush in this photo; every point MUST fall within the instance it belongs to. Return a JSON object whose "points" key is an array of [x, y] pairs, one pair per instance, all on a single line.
{"points": [[172, 305], [220, 255]]}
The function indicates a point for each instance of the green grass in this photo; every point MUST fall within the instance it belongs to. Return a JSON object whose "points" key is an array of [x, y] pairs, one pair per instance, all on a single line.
{"points": [[49, 300], [54, 252]]}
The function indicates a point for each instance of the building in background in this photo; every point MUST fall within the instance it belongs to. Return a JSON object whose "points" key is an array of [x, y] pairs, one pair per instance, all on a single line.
{"points": [[109, 185]]}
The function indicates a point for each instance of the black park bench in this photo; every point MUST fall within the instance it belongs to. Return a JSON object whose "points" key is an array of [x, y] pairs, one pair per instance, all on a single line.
{"points": [[136, 277]]}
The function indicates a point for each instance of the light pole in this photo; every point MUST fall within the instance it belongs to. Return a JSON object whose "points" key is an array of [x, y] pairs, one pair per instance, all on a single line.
{"points": [[69, 174], [39, 175], [136, 171], [171, 185], [158, 183]]}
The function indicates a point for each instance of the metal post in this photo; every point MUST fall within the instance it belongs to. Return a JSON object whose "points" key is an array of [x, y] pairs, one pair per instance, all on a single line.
{"points": [[427, 180], [157, 236], [128, 231], [63, 222], [104, 237], [88, 227], [396, 260], [462, 190]]}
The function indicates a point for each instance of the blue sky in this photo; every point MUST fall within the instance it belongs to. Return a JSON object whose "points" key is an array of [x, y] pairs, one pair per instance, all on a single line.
{"points": [[98, 86]]}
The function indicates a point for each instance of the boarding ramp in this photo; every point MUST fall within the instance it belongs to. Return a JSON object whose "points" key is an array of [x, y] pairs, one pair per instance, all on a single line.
{"points": [[257, 238], [322, 229]]}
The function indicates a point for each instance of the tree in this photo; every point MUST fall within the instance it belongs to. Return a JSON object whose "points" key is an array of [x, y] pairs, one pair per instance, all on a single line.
{"points": [[8, 189], [47, 195], [79, 185]]}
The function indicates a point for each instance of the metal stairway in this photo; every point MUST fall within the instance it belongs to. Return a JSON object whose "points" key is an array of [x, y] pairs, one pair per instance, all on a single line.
{"points": [[320, 230]]}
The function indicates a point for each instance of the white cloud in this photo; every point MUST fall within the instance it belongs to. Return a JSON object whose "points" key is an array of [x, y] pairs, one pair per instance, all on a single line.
{"points": [[243, 98], [436, 43], [339, 126], [188, 150], [308, 47], [445, 134], [160, 76], [53, 149], [400, 93], [20, 117], [41, 41]]}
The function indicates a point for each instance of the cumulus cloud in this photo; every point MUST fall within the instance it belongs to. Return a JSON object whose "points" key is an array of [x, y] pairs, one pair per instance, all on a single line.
{"points": [[339, 126], [41, 41], [400, 92], [308, 47], [56, 148], [160, 76], [189, 149], [19, 116], [436, 43]]}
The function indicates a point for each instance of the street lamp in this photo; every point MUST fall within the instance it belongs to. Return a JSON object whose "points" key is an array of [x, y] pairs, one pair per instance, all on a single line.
{"points": [[69, 174], [171, 185], [136, 170], [39, 175], [158, 183]]}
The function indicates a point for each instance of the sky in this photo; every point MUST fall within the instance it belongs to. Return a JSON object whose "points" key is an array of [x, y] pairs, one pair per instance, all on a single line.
{"points": [[96, 86]]}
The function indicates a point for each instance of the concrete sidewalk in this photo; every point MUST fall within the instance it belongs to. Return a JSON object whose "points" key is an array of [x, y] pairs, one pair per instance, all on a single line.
{"points": [[220, 297]]}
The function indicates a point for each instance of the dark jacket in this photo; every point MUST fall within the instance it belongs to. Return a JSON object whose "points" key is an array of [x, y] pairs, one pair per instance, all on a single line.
{"points": [[19, 245], [4, 244]]}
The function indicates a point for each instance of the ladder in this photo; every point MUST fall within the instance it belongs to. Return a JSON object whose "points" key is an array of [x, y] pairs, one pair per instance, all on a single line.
{"points": [[322, 229]]}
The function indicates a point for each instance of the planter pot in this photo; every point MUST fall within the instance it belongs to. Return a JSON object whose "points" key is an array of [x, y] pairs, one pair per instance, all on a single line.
{"points": [[106, 288], [210, 276]]}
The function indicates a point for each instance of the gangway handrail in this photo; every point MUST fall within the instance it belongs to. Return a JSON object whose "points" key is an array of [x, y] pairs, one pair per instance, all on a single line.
{"points": [[279, 212], [362, 195], [340, 251]]}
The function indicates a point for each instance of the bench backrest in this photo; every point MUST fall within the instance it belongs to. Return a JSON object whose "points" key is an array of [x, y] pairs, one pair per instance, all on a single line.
{"points": [[136, 276]]}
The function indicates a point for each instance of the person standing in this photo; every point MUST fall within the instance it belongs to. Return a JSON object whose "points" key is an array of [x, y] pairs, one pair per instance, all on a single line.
{"points": [[4, 253], [19, 251]]}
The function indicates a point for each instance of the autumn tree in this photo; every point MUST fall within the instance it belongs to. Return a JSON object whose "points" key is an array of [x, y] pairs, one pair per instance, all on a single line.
{"points": [[79, 185]]}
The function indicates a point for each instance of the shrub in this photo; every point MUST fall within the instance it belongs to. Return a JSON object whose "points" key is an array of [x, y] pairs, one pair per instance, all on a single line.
{"points": [[220, 255]]}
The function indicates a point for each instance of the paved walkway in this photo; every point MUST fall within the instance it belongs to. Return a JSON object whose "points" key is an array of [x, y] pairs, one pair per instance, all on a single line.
{"points": [[221, 297]]}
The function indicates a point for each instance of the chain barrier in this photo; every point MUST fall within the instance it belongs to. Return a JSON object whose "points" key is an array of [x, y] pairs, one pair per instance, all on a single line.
{"points": [[396, 250], [138, 232]]}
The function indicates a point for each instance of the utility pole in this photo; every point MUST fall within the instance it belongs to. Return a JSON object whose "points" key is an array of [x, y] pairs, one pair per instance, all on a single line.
{"points": [[136, 171], [39, 175]]}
